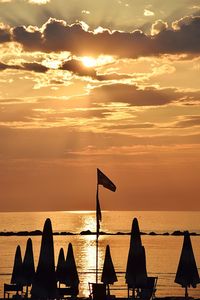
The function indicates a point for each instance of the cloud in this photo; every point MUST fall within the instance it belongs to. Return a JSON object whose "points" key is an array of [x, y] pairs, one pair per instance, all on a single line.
{"points": [[148, 13], [39, 2], [130, 126], [132, 95], [4, 66], [40, 143], [57, 35], [189, 121], [5, 35], [85, 12], [158, 26], [29, 37], [35, 67], [73, 65], [76, 66]]}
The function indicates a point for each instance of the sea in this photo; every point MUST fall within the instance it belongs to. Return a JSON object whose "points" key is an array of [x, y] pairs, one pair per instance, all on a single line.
{"points": [[162, 251]]}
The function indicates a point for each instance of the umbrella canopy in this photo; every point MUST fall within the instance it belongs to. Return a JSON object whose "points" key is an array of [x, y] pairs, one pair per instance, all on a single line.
{"points": [[28, 264], [108, 274], [187, 273], [44, 283], [136, 273], [17, 273], [135, 234], [61, 267], [71, 277]]}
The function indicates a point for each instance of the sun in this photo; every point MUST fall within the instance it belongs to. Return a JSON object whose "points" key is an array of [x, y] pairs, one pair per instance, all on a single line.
{"points": [[89, 62]]}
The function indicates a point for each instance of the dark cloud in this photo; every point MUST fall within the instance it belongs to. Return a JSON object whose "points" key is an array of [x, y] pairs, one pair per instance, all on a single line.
{"points": [[30, 38], [73, 65], [35, 67], [56, 35], [5, 35], [5, 66], [184, 38], [132, 95], [131, 126], [189, 121], [76, 66]]}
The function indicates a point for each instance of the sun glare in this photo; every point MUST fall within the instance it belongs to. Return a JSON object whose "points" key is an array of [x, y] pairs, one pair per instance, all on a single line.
{"points": [[88, 61], [91, 62]]}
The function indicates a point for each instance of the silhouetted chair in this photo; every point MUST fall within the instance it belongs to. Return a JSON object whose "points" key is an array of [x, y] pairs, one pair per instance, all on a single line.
{"points": [[63, 292], [97, 291], [9, 288], [147, 291]]}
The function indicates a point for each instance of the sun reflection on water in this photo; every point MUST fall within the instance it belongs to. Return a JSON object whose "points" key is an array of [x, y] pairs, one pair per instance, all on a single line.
{"points": [[87, 254]]}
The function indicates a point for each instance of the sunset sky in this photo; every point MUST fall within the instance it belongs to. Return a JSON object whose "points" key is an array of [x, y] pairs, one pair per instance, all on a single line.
{"points": [[110, 84]]}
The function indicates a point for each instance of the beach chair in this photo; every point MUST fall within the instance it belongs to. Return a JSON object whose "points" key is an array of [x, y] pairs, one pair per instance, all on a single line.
{"points": [[147, 291], [97, 291], [64, 292], [10, 288]]}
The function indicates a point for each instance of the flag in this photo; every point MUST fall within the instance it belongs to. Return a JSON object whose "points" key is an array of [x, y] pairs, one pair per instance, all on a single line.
{"points": [[102, 179], [98, 212]]}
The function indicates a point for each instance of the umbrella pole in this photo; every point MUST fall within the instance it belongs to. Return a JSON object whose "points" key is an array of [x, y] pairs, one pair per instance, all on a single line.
{"points": [[186, 292], [97, 246], [97, 236], [108, 290]]}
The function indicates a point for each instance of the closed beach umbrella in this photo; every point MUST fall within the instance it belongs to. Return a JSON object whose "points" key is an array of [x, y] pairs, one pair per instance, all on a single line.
{"points": [[61, 267], [187, 273], [44, 283], [28, 264], [17, 273], [136, 273], [71, 278], [108, 274], [135, 233]]}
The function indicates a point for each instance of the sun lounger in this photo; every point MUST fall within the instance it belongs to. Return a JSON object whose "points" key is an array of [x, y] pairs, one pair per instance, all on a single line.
{"points": [[9, 288], [97, 291], [67, 291], [146, 291]]}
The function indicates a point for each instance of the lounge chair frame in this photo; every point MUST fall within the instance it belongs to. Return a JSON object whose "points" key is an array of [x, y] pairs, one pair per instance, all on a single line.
{"points": [[9, 288], [97, 291], [144, 292]]}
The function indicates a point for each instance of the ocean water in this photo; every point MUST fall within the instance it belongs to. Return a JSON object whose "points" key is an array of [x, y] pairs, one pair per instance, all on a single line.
{"points": [[162, 252]]}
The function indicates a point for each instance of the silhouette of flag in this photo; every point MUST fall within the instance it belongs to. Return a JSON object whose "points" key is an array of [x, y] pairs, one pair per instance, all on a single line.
{"points": [[98, 212], [102, 179]]}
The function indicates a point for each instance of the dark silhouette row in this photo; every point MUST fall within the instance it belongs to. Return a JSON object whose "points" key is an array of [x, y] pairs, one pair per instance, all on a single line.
{"points": [[46, 282]]}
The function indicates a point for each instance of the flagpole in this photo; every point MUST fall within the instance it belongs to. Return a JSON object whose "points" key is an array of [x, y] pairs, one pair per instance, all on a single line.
{"points": [[102, 179], [97, 235]]}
